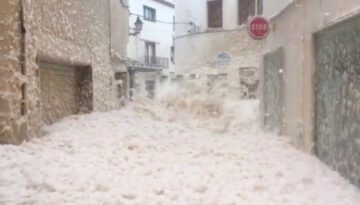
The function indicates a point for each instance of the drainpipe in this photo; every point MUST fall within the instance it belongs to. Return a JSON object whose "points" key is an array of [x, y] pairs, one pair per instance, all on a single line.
{"points": [[23, 38], [110, 28]]}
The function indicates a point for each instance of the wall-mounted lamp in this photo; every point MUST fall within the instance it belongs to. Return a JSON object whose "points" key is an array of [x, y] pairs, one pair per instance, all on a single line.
{"points": [[138, 27]]}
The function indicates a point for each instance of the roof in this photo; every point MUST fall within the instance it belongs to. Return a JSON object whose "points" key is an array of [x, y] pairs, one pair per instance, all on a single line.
{"points": [[166, 3]]}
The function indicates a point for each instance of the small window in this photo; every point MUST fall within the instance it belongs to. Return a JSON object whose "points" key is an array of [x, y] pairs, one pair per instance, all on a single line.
{"points": [[247, 9], [23, 99], [149, 14], [172, 54], [215, 14]]}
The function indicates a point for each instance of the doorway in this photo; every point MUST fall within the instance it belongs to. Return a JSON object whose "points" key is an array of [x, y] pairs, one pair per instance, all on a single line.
{"points": [[64, 90], [274, 90]]}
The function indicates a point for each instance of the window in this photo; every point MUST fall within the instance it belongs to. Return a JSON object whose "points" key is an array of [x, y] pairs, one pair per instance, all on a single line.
{"points": [[149, 14], [215, 14], [260, 7], [150, 53], [172, 54], [247, 8], [23, 100]]}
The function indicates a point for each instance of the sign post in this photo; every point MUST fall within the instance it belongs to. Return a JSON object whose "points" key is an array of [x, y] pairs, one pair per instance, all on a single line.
{"points": [[258, 28]]}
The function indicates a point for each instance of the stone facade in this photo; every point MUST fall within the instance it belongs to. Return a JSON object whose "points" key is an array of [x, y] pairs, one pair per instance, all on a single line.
{"points": [[13, 121], [72, 33], [218, 53]]}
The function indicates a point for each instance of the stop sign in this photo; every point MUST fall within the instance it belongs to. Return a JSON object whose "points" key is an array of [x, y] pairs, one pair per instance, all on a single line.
{"points": [[258, 27]]}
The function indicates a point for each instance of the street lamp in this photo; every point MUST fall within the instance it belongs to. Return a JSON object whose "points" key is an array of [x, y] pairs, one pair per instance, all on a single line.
{"points": [[138, 27]]}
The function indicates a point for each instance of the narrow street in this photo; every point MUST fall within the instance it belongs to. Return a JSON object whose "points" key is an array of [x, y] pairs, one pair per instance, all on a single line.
{"points": [[180, 102], [149, 153]]}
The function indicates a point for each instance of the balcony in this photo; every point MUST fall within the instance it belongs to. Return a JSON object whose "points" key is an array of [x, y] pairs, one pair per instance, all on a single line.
{"points": [[158, 62]]}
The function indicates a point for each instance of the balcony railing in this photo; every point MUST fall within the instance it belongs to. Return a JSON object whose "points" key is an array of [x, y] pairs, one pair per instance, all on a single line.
{"points": [[156, 62]]}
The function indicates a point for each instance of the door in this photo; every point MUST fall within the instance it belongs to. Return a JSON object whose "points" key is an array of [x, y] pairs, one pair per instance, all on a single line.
{"points": [[150, 53], [215, 13], [58, 89], [337, 115], [274, 90], [150, 88]]}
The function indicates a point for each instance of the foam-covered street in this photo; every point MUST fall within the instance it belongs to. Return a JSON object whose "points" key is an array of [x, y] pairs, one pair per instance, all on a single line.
{"points": [[149, 153]]}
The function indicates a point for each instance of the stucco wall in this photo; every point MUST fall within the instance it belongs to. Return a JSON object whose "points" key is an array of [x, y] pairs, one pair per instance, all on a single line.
{"points": [[291, 35]]}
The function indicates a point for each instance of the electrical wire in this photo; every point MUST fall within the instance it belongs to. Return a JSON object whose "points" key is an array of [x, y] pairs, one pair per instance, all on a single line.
{"points": [[164, 22]]}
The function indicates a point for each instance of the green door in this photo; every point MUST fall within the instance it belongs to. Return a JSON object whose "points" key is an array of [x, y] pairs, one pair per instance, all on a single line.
{"points": [[337, 129], [273, 90]]}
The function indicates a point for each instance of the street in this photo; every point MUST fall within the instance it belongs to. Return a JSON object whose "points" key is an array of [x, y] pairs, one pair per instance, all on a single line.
{"points": [[179, 102], [156, 153]]}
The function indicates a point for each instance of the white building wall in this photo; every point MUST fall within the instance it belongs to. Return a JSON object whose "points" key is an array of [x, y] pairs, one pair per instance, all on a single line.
{"points": [[196, 12], [273, 7], [160, 33]]}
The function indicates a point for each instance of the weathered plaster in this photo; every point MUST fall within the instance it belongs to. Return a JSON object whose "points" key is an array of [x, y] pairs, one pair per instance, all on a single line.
{"points": [[12, 124], [198, 54]]}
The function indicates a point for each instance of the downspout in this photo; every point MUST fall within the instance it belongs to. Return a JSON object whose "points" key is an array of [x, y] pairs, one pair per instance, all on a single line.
{"points": [[110, 28], [112, 77], [23, 38]]}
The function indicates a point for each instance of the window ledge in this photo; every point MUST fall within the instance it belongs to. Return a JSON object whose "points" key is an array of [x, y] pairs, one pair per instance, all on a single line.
{"points": [[214, 29], [150, 20]]}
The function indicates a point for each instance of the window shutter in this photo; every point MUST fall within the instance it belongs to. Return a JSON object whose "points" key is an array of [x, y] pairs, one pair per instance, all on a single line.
{"points": [[246, 9], [260, 7], [215, 14]]}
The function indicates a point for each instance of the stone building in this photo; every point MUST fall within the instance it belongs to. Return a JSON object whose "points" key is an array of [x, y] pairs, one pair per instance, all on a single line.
{"points": [[311, 80], [58, 58], [212, 40]]}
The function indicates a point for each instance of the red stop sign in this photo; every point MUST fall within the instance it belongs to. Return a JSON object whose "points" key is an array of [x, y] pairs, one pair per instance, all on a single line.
{"points": [[258, 27]]}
